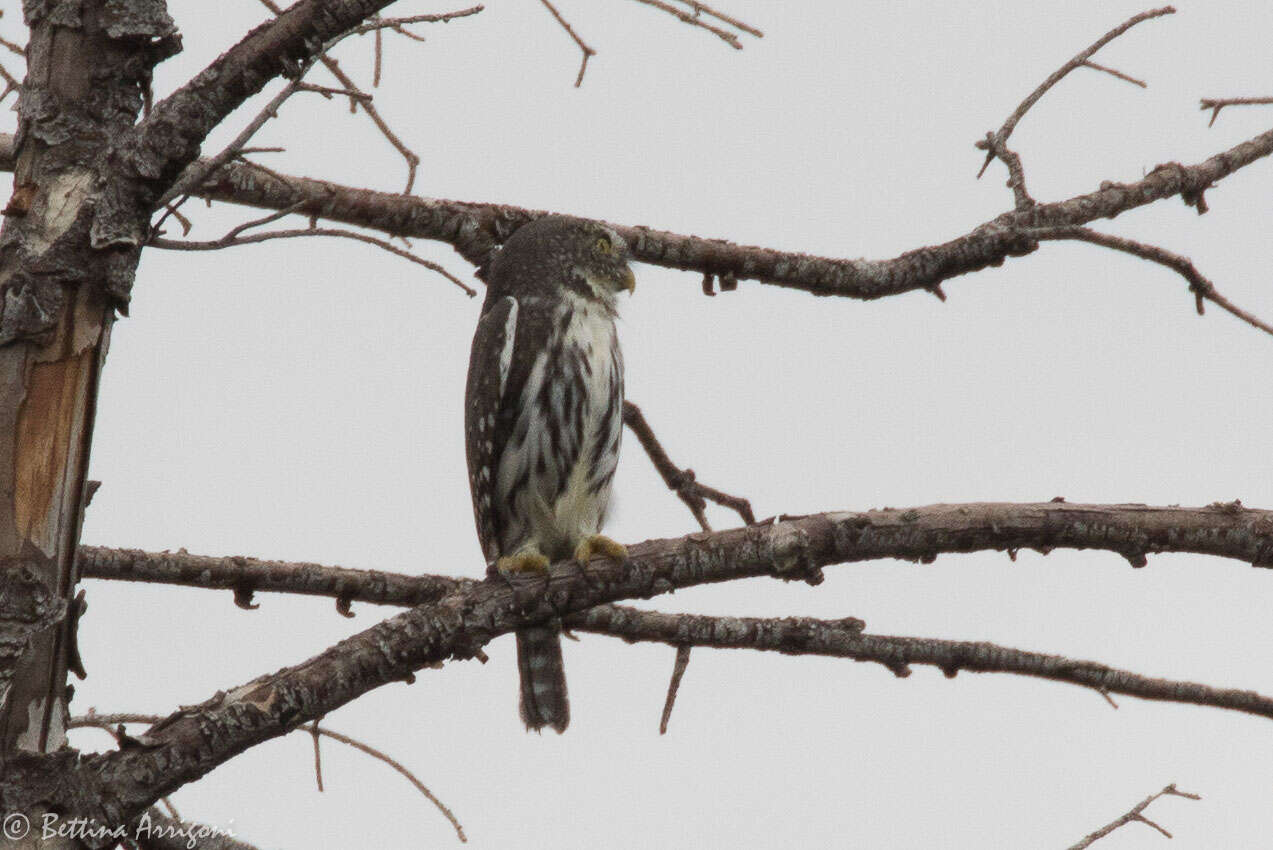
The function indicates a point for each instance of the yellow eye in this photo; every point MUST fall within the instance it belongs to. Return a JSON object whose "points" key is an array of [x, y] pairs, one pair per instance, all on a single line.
{"points": [[603, 246]]}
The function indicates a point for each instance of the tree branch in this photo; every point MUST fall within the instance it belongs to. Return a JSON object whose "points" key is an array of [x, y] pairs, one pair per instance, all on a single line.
{"points": [[110, 722], [246, 576], [587, 51], [1200, 286], [695, 21], [117, 786], [845, 639], [1135, 814], [1215, 104], [476, 229], [168, 140], [1225, 530], [681, 481]]}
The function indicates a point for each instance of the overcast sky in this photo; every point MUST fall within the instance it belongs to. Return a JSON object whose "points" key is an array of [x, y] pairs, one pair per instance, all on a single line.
{"points": [[302, 400]]}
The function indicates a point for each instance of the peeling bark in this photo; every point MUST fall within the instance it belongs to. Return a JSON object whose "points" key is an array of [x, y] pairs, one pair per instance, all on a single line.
{"points": [[88, 64]]}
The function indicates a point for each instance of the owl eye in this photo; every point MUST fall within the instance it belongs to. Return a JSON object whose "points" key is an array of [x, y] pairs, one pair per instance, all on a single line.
{"points": [[603, 246]]}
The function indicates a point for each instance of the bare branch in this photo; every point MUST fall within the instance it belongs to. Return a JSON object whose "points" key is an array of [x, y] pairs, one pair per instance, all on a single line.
{"points": [[168, 139], [702, 8], [1077, 62], [110, 721], [231, 240], [674, 685], [1216, 104], [995, 144], [1135, 814], [189, 743], [330, 91], [11, 83], [408, 155], [681, 481], [411, 777], [588, 52], [476, 229], [253, 575], [1116, 73], [695, 21], [1201, 287], [194, 178], [845, 639]]}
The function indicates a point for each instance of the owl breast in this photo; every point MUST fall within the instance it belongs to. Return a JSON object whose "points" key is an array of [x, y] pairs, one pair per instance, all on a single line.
{"points": [[556, 470]]}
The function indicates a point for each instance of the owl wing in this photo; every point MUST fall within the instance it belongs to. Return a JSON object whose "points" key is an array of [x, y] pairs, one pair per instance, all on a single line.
{"points": [[490, 362]]}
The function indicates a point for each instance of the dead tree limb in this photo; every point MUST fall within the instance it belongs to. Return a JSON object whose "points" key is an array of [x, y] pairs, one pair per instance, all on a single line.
{"points": [[117, 786], [846, 638], [1136, 813], [1225, 530], [476, 229], [682, 482]]}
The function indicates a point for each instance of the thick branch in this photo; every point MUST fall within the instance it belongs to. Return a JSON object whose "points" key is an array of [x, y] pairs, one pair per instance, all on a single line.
{"points": [[918, 534], [245, 576], [119, 785], [475, 229]]}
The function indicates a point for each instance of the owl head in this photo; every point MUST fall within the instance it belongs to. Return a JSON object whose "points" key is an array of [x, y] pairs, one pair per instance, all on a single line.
{"points": [[556, 253]]}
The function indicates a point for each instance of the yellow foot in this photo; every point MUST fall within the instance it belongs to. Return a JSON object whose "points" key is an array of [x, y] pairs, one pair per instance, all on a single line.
{"points": [[522, 562], [599, 544]]}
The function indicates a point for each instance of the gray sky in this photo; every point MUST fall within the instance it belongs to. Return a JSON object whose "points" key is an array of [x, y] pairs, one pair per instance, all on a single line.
{"points": [[302, 400]]}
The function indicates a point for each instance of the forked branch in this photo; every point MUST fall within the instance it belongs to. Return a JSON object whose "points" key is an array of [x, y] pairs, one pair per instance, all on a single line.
{"points": [[1135, 814]]}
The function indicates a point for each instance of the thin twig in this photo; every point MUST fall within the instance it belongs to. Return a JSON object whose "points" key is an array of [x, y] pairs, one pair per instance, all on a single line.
{"points": [[1008, 126], [172, 810], [13, 47], [674, 686], [11, 83], [694, 21], [110, 721], [234, 241], [723, 18], [190, 182], [410, 156], [1216, 104], [411, 777], [378, 58], [1135, 814], [995, 144], [314, 732], [378, 24], [1200, 286], [1116, 73], [588, 52], [331, 91], [682, 481]]}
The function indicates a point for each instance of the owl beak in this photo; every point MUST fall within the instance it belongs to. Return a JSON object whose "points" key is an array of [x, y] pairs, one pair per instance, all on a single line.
{"points": [[629, 280]]}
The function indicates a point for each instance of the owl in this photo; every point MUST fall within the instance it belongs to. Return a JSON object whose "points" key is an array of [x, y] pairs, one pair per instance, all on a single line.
{"points": [[543, 418]]}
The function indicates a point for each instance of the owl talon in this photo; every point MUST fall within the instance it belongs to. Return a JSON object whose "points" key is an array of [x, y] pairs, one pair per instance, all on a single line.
{"points": [[522, 562], [599, 544]]}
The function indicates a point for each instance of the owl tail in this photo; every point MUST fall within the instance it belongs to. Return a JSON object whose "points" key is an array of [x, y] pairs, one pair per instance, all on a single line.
{"points": [[543, 677]]}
